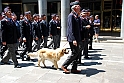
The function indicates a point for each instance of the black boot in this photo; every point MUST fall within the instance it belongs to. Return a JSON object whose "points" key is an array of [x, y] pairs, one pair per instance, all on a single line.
{"points": [[22, 56], [28, 58]]}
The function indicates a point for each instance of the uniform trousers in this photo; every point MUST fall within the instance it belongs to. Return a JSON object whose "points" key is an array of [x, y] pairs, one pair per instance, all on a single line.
{"points": [[45, 42], [54, 42], [38, 43], [28, 45], [85, 52], [91, 41], [58, 40], [11, 53]]}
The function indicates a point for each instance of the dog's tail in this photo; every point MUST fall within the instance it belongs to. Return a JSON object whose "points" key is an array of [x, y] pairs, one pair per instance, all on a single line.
{"points": [[33, 54]]}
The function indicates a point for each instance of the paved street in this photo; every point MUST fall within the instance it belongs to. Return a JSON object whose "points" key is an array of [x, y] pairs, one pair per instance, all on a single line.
{"points": [[106, 66]]}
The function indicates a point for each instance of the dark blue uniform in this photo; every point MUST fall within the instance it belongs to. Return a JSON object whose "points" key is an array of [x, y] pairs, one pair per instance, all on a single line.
{"points": [[10, 35], [85, 35], [27, 32], [91, 31], [37, 34], [45, 32], [53, 32], [58, 33]]}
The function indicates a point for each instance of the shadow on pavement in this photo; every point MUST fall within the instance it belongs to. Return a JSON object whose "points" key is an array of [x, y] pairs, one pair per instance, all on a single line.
{"points": [[91, 71], [94, 57], [26, 64], [90, 63]]}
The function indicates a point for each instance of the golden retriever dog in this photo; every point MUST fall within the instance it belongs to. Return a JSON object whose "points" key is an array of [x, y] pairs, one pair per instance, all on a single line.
{"points": [[49, 54]]}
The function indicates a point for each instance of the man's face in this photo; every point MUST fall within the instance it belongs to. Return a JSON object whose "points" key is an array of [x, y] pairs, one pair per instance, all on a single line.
{"points": [[83, 14], [77, 8], [57, 18], [29, 16], [8, 13], [54, 17]]}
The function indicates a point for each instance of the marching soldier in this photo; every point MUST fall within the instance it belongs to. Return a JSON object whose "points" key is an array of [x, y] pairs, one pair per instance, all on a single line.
{"points": [[53, 31], [85, 32], [10, 38], [37, 32], [45, 30], [27, 34]]}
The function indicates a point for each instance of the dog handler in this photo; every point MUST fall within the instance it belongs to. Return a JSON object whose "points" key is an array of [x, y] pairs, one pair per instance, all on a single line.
{"points": [[73, 37]]}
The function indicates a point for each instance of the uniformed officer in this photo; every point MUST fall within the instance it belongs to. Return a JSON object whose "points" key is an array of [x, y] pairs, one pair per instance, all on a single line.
{"points": [[10, 38], [58, 22], [37, 32], [91, 31], [45, 30], [85, 32], [53, 31], [27, 34]]}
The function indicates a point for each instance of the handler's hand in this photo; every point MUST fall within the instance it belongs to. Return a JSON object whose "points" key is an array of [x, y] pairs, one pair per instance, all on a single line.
{"points": [[75, 43], [4, 43]]}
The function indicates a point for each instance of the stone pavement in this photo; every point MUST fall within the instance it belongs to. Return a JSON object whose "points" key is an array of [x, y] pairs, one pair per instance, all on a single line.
{"points": [[106, 66]]}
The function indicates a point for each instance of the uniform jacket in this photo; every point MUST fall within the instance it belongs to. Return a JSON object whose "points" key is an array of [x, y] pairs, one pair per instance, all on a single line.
{"points": [[73, 28], [91, 29], [45, 28], [85, 31], [37, 29], [58, 25], [10, 33], [53, 27], [27, 29]]}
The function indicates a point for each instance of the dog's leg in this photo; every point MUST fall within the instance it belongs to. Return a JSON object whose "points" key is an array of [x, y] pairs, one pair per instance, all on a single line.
{"points": [[43, 61], [39, 60], [55, 64]]}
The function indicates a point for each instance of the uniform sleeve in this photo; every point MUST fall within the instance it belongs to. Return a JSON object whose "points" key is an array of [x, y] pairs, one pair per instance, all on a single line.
{"points": [[71, 27], [3, 31], [22, 30]]}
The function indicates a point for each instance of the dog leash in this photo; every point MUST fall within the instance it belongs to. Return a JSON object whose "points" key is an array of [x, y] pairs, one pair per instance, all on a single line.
{"points": [[65, 44]]}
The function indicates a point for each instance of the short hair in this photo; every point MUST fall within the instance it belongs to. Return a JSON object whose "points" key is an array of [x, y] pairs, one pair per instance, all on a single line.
{"points": [[43, 15]]}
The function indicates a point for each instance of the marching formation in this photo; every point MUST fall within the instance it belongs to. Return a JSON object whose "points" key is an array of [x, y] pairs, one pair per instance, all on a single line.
{"points": [[21, 33], [81, 27]]}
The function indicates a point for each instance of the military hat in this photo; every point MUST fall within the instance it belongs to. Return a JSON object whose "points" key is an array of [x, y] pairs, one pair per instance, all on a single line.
{"points": [[88, 10], [53, 15], [6, 9], [21, 15], [74, 3], [91, 16], [83, 10], [34, 15], [28, 12]]}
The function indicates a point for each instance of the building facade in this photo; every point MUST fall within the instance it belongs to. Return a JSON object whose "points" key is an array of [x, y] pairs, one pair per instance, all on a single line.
{"points": [[108, 10]]}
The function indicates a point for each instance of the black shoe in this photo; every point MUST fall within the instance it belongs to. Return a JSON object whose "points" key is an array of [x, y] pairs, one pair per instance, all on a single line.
{"points": [[76, 71], [87, 58], [90, 48], [17, 66], [16, 53], [4, 63], [28, 59], [22, 56]]}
